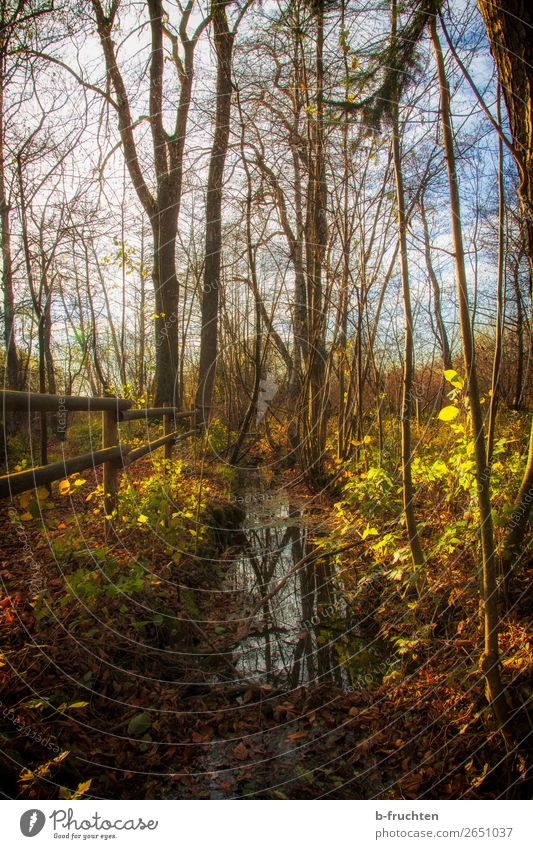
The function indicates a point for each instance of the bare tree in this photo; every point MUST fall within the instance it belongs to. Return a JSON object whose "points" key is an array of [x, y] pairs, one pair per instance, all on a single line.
{"points": [[161, 207]]}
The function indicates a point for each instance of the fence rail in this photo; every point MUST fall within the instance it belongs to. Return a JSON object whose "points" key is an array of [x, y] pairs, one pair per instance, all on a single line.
{"points": [[113, 455], [36, 402]]}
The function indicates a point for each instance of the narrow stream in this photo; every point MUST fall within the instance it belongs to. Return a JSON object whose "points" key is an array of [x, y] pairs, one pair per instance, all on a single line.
{"points": [[307, 632]]}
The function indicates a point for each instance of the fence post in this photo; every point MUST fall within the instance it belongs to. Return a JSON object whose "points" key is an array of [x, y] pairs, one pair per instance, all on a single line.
{"points": [[167, 428], [110, 438], [44, 444]]}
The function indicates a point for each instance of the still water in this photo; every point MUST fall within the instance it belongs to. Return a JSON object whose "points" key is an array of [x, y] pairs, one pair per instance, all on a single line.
{"points": [[307, 631]]}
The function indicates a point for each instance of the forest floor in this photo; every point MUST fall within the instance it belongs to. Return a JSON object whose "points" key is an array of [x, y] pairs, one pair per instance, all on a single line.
{"points": [[111, 689]]}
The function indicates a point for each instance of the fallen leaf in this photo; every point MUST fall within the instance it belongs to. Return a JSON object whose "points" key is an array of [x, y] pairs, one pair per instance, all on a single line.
{"points": [[240, 751]]}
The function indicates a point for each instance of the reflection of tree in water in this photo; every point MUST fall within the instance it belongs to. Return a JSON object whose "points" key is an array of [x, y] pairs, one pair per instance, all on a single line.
{"points": [[305, 631]]}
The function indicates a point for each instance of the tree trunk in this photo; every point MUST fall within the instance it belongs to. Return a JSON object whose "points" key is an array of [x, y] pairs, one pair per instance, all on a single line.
{"points": [[408, 494], [164, 230], [497, 360], [490, 661], [437, 306], [519, 377], [12, 378], [258, 353], [509, 25], [313, 415], [162, 210], [141, 365], [213, 212]]}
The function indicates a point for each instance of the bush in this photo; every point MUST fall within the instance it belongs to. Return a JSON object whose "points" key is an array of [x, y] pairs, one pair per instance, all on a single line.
{"points": [[84, 434]]}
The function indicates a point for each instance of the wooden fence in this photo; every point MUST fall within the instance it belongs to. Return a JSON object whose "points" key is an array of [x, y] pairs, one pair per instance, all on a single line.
{"points": [[113, 455]]}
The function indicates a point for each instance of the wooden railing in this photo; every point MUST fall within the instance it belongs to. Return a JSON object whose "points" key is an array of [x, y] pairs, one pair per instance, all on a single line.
{"points": [[113, 455]]}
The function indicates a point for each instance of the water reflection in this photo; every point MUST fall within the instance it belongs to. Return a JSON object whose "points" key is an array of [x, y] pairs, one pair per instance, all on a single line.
{"points": [[306, 632]]}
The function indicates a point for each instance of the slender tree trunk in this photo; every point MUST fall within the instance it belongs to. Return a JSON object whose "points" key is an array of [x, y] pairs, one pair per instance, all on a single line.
{"points": [[496, 365], [258, 358], [296, 245], [42, 388], [51, 385], [141, 366], [313, 415], [408, 493], [490, 660], [104, 380], [519, 376], [12, 356], [213, 238], [437, 305], [345, 237]]}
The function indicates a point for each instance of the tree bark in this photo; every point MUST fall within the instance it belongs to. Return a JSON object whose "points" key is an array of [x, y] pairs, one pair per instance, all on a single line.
{"points": [[12, 356], [213, 212], [509, 24]]}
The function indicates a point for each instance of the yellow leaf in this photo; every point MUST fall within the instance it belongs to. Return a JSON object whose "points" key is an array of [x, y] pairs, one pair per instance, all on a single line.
{"points": [[79, 482], [142, 519], [64, 487], [455, 379], [448, 414], [25, 499], [83, 787]]}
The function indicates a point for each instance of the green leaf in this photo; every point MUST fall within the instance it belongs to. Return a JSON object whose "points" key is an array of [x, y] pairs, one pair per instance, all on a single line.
{"points": [[448, 414], [139, 724]]}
